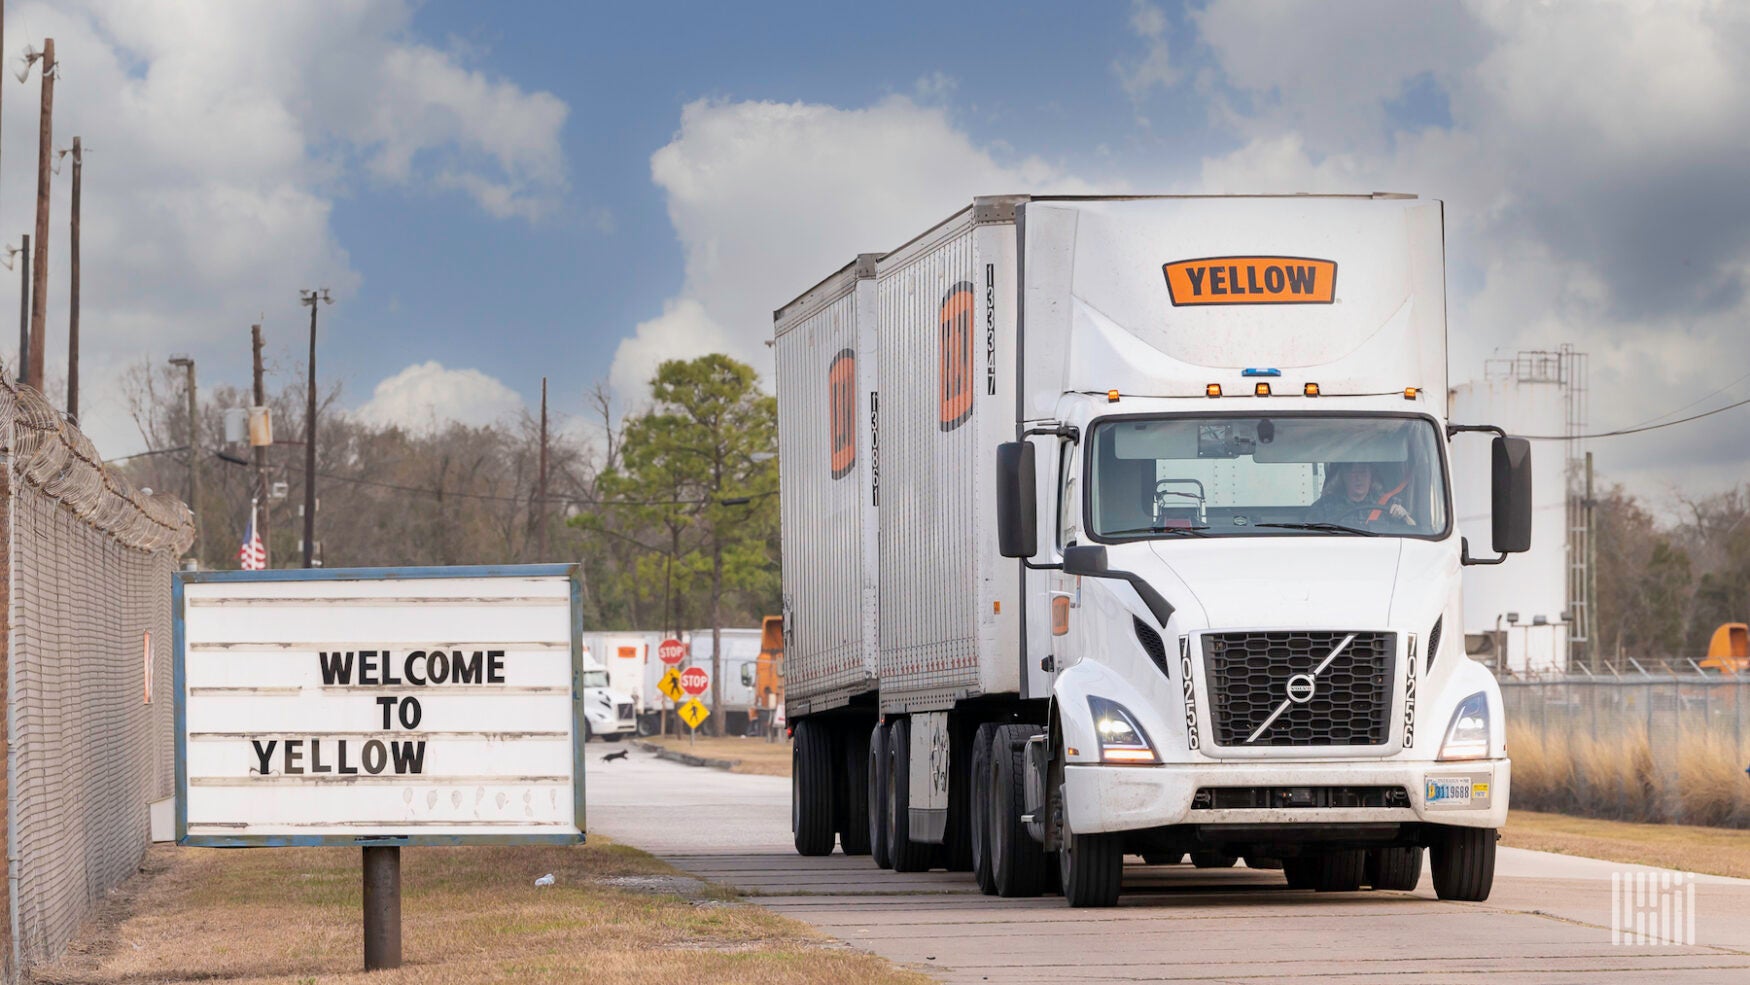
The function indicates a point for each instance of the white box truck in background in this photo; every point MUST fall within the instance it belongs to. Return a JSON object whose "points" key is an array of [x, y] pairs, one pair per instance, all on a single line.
{"points": [[1123, 526], [607, 711]]}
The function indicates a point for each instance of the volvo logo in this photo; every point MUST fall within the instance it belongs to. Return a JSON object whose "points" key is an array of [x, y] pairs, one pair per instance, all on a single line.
{"points": [[1300, 688]]}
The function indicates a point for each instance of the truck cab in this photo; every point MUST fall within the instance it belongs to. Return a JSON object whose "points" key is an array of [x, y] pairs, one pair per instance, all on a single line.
{"points": [[608, 713]]}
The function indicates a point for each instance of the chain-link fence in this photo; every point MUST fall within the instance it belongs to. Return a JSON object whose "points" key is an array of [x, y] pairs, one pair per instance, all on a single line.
{"points": [[1645, 747], [89, 728]]}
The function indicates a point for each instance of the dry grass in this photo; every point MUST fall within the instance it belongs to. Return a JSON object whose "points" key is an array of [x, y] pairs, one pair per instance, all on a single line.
{"points": [[750, 755], [468, 915], [1619, 777], [1717, 851]]}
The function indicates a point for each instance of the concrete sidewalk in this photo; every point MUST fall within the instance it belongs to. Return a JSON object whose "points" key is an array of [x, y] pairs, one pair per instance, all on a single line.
{"points": [[1547, 921]]}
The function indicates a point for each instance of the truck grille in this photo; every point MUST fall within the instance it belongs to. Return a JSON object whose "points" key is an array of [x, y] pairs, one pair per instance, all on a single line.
{"points": [[624, 709], [1249, 673]]}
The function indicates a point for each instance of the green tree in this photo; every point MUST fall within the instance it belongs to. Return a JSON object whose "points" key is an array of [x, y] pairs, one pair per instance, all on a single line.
{"points": [[696, 479]]}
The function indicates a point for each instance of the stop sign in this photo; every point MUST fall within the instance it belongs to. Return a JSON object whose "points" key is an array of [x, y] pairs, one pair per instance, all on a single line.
{"points": [[672, 651], [694, 681]]}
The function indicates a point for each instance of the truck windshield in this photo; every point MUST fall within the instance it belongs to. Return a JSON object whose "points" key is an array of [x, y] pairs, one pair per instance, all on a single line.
{"points": [[595, 678], [1329, 475]]}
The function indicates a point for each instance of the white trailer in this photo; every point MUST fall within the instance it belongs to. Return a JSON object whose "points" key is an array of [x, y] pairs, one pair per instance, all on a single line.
{"points": [[1123, 526]]}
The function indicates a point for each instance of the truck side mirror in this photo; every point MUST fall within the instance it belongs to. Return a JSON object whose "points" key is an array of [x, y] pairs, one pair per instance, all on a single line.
{"points": [[1510, 508], [1017, 500], [1085, 559]]}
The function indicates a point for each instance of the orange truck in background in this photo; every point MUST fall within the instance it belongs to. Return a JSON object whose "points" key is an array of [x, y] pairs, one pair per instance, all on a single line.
{"points": [[769, 672], [1729, 650]]}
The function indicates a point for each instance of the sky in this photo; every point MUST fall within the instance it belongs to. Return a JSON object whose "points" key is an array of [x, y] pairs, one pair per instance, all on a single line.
{"points": [[494, 193]]}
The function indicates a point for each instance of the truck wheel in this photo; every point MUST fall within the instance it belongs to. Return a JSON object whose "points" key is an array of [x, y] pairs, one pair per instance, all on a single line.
{"points": [[980, 802], [811, 789], [1091, 868], [1394, 868], [876, 773], [906, 855], [1017, 861], [1340, 871], [853, 820], [1213, 860], [1299, 872], [1464, 863]]}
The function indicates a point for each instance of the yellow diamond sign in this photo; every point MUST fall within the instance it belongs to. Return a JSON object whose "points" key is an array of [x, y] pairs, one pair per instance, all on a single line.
{"points": [[671, 685], [693, 712]]}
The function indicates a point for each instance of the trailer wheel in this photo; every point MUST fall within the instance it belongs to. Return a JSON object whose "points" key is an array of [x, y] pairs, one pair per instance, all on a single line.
{"points": [[811, 789], [1091, 868], [853, 816], [980, 804], [1394, 868], [1463, 862], [1213, 860], [876, 798], [1017, 861], [906, 855], [1339, 871], [1299, 872]]}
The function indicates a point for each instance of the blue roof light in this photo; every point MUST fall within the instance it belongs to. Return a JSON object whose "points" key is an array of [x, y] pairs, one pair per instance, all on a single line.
{"points": [[1255, 371]]}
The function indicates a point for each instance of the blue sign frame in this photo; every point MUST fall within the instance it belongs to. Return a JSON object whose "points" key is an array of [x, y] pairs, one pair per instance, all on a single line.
{"points": [[572, 572]]}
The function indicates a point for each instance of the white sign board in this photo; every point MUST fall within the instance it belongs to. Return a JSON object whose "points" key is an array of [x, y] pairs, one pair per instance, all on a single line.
{"points": [[399, 706]]}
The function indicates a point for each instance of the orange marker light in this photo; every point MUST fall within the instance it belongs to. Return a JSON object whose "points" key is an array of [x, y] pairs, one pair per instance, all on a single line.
{"points": [[1212, 390], [1261, 390], [1311, 390], [1059, 616], [1411, 393], [1111, 396]]}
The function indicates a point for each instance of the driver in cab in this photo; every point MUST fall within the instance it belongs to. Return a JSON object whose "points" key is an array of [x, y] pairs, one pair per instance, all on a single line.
{"points": [[1357, 497]]}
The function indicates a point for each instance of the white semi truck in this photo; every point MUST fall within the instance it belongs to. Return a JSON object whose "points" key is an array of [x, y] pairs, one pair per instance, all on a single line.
{"points": [[1123, 526]]}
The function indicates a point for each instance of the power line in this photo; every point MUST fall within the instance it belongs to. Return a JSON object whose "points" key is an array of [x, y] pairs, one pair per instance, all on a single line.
{"points": [[1698, 400], [1633, 430]]}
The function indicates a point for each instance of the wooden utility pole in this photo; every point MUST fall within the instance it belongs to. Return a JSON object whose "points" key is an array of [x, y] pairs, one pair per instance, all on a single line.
{"points": [[194, 453], [39, 288], [541, 485], [24, 311], [262, 524], [73, 291], [310, 298]]}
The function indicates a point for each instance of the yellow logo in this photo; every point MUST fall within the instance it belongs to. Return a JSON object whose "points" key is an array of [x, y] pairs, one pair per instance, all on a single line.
{"points": [[1251, 280]]}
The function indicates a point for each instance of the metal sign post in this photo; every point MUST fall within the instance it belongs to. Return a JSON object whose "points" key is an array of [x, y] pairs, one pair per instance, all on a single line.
{"points": [[382, 867]]}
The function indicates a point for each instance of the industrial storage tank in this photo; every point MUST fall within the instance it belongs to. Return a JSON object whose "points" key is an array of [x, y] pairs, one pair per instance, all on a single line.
{"points": [[1515, 615]]}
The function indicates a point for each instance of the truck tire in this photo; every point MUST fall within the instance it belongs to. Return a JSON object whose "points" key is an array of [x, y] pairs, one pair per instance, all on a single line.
{"points": [[877, 796], [1394, 868], [906, 855], [1213, 860], [811, 789], [1339, 871], [1464, 863], [853, 815], [1091, 868], [980, 809], [1298, 871], [1017, 861]]}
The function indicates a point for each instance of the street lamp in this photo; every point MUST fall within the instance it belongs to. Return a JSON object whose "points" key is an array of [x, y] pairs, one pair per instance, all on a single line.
{"points": [[309, 298], [194, 451]]}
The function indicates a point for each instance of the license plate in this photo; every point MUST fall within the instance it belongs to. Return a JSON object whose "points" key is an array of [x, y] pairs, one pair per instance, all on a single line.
{"points": [[1449, 791]]}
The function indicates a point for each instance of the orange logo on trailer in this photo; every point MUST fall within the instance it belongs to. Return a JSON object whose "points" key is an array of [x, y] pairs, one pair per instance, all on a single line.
{"points": [[955, 367], [1251, 280], [841, 396]]}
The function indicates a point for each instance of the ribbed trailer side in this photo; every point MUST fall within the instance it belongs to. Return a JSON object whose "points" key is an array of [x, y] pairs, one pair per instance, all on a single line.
{"points": [[949, 602], [825, 348]]}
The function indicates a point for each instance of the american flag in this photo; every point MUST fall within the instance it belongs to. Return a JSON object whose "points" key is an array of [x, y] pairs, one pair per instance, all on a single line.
{"points": [[252, 553]]}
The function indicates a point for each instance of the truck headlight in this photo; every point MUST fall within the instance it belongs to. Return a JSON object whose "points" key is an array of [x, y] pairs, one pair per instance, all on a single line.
{"points": [[1121, 739], [1468, 735]]}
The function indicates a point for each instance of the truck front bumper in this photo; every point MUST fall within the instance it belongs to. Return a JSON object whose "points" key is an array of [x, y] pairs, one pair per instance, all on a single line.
{"points": [[1101, 798]]}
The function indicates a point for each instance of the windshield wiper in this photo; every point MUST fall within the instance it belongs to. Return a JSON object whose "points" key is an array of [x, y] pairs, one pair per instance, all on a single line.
{"points": [[1335, 528], [1192, 531]]}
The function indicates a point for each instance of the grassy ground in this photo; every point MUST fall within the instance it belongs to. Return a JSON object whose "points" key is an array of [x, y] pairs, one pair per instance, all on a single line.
{"points": [[750, 755], [468, 915], [1717, 851]]}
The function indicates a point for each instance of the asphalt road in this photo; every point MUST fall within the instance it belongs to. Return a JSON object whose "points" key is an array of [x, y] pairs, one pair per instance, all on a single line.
{"points": [[1548, 919]]}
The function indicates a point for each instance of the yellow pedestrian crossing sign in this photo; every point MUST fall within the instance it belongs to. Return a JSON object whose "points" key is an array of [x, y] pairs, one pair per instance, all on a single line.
{"points": [[671, 685], [693, 712]]}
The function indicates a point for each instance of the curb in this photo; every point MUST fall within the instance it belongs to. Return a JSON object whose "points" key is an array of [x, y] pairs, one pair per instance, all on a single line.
{"points": [[682, 757]]}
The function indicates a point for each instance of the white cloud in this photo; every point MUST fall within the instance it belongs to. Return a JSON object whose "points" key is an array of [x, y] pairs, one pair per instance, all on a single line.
{"points": [[220, 135], [426, 395], [1155, 68], [767, 198]]}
